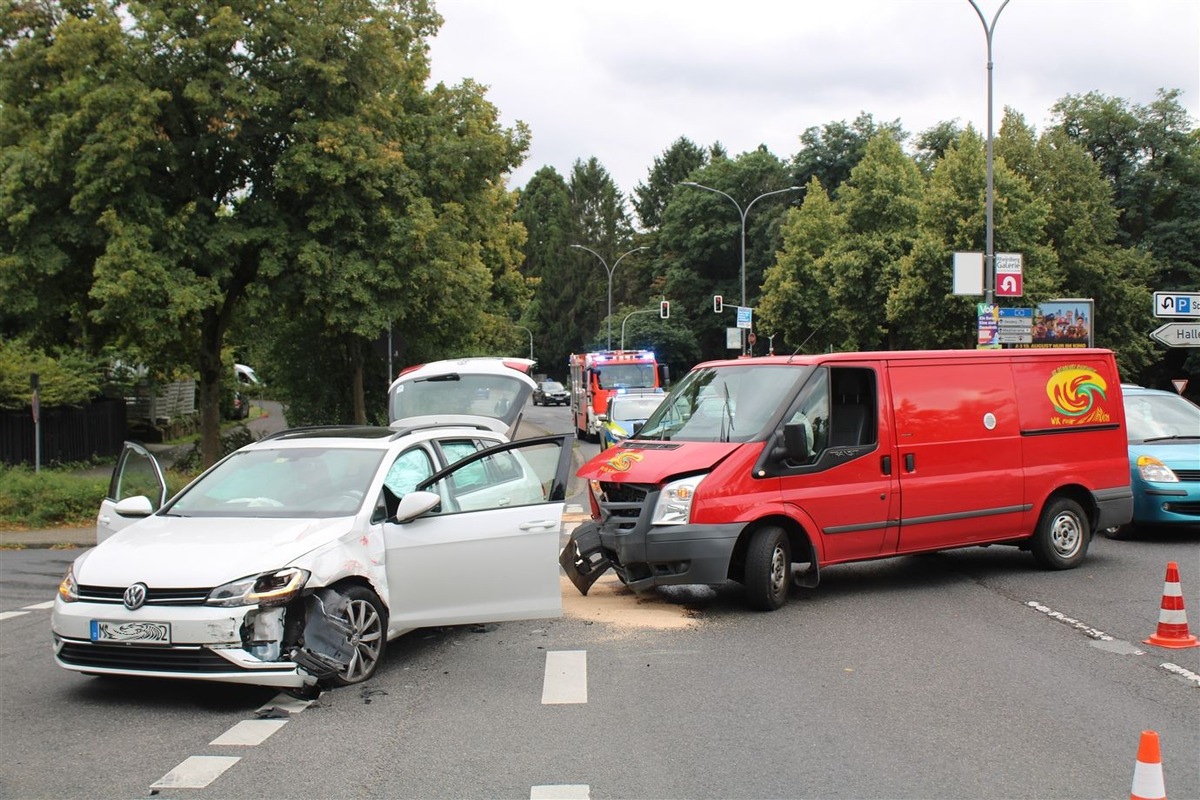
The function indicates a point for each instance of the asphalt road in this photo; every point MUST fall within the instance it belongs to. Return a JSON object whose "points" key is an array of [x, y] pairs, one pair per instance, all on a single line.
{"points": [[969, 674]]}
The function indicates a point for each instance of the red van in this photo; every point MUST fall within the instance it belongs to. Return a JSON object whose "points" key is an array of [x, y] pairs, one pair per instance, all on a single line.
{"points": [[767, 470]]}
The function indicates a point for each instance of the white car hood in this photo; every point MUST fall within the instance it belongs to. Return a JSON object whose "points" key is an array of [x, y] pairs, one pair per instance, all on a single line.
{"points": [[203, 552]]}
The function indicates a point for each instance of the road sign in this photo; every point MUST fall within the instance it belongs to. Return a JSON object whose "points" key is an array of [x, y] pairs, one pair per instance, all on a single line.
{"points": [[1177, 304], [1178, 334], [743, 316], [1009, 279]]}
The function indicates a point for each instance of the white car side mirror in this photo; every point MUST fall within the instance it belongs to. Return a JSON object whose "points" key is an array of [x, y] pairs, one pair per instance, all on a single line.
{"points": [[137, 506], [414, 504]]}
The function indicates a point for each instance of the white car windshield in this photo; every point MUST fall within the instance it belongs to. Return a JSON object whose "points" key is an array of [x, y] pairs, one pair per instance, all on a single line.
{"points": [[724, 404], [1161, 416], [634, 407], [288, 482]]}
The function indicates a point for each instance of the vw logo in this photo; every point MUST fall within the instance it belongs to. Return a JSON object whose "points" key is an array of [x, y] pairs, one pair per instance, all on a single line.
{"points": [[135, 596]]}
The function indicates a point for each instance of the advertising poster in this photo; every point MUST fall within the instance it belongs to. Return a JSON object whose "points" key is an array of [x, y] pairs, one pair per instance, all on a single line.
{"points": [[1062, 323]]}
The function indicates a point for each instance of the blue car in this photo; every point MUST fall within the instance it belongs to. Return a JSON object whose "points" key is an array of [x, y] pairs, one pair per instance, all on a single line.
{"points": [[1164, 460]]}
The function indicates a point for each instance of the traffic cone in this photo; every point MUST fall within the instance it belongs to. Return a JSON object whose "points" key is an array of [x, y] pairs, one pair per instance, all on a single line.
{"points": [[1147, 772], [1172, 618]]}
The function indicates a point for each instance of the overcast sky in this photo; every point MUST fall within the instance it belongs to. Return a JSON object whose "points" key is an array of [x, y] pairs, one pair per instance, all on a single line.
{"points": [[622, 79]]}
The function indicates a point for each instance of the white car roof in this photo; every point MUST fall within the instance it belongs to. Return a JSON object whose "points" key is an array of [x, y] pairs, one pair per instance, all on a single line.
{"points": [[483, 392]]}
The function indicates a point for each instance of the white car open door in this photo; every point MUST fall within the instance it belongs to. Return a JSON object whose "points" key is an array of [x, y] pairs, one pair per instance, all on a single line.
{"points": [[489, 552], [137, 473]]}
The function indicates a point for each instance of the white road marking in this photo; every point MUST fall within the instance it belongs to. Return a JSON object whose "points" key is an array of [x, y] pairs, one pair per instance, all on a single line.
{"points": [[11, 614], [285, 702], [1084, 628], [1178, 670], [566, 677], [250, 732], [195, 772], [561, 792], [39, 606]]}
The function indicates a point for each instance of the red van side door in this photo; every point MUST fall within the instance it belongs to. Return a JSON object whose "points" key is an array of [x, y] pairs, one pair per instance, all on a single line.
{"points": [[849, 490], [958, 451]]}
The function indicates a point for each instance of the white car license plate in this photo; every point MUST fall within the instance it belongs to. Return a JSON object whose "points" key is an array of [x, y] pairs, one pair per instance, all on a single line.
{"points": [[141, 632]]}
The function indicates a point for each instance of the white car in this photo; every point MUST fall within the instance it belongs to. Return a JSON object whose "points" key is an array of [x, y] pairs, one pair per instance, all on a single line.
{"points": [[294, 560]]}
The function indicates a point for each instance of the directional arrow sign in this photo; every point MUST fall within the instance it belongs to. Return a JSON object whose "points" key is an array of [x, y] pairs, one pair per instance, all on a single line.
{"points": [[1178, 334], [1177, 304]]}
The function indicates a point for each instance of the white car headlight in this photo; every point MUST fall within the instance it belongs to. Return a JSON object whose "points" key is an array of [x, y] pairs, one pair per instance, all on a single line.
{"points": [[68, 589], [1151, 469], [267, 589], [674, 506]]}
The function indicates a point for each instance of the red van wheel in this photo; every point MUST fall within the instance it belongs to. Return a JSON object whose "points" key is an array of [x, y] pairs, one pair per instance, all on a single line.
{"points": [[768, 569], [1061, 538]]}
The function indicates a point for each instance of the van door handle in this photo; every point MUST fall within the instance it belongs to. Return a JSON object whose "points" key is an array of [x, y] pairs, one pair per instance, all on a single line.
{"points": [[910, 462], [885, 464]]}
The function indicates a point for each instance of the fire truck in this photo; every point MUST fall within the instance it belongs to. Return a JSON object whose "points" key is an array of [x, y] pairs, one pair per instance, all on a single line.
{"points": [[597, 376]]}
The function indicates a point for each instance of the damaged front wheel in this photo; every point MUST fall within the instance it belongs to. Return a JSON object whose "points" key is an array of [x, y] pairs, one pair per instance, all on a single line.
{"points": [[367, 637]]}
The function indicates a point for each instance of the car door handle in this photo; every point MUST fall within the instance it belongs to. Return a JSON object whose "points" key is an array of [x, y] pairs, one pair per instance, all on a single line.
{"points": [[539, 525], [104, 520]]}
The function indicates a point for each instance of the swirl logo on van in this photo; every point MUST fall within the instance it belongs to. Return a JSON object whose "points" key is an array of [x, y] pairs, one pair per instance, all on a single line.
{"points": [[622, 461], [1077, 392]]}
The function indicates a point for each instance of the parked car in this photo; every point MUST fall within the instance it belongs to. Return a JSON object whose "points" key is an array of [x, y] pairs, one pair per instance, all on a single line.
{"points": [[1164, 460], [551, 393], [625, 414], [294, 560]]}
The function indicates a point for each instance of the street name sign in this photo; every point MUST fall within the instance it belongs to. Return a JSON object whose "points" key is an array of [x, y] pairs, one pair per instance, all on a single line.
{"points": [[1177, 304], [1178, 334]]}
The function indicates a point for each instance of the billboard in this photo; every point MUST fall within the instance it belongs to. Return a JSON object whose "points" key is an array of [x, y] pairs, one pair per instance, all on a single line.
{"points": [[1054, 323]]}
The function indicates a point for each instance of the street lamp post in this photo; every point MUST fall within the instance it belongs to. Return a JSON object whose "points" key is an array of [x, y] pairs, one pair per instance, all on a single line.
{"points": [[743, 213], [522, 327], [610, 271], [989, 258], [627, 316]]}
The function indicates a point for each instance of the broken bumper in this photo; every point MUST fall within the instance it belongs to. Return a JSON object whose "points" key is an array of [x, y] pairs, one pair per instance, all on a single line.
{"points": [[649, 556], [204, 644]]}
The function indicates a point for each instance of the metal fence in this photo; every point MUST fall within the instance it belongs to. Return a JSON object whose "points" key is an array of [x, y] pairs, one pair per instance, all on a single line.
{"points": [[68, 434]]}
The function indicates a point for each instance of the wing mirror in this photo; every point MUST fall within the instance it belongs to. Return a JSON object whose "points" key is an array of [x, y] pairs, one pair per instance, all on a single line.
{"points": [[137, 506], [414, 504]]}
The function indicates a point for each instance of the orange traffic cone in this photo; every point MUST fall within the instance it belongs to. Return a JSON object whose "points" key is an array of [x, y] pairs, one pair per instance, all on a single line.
{"points": [[1172, 618], [1147, 772]]}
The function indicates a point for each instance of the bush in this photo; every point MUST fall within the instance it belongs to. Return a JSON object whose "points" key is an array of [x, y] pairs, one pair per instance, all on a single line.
{"points": [[49, 498]]}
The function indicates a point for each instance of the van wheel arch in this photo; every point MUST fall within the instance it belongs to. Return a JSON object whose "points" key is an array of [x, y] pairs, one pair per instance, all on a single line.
{"points": [[798, 539]]}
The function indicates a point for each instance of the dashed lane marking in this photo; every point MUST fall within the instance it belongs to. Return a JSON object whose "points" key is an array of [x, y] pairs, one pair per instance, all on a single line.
{"points": [[39, 606], [249, 732], [561, 792], [195, 772], [566, 677], [11, 614], [26, 609]]}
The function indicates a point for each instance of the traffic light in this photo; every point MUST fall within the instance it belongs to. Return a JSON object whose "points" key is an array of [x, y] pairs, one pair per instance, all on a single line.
{"points": [[664, 309], [718, 303]]}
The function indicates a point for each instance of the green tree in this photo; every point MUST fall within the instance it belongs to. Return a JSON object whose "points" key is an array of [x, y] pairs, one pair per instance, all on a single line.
{"points": [[544, 208], [676, 164], [829, 152], [197, 153], [699, 245]]}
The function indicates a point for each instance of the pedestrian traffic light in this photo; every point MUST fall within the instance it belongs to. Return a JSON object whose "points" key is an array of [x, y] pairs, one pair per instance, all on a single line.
{"points": [[718, 303], [664, 309]]}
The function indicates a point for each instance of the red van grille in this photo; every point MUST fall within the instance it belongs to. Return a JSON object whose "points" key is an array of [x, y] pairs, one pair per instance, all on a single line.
{"points": [[622, 503]]}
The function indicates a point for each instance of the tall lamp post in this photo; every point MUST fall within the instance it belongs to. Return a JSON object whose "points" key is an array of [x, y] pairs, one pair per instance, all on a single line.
{"points": [[610, 271], [743, 213], [522, 327], [989, 258]]}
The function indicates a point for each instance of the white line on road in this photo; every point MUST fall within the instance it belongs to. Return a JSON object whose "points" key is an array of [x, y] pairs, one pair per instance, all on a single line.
{"points": [[560, 792], [566, 677], [195, 772], [250, 732], [39, 606], [11, 614]]}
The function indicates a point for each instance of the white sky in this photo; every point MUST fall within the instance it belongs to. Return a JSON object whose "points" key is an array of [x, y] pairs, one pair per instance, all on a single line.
{"points": [[622, 80]]}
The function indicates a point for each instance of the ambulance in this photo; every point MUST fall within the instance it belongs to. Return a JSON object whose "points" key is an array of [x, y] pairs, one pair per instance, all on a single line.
{"points": [[767, 471]]}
